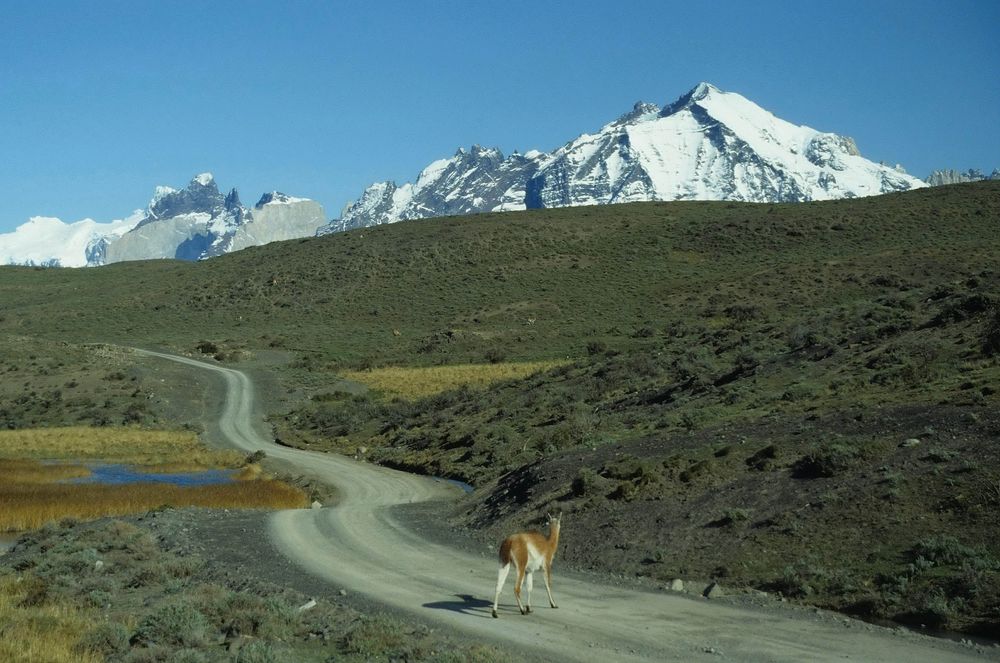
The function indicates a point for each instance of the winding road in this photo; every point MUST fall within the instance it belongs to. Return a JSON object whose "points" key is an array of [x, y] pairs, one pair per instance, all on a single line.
{"points": [[359, 545]]}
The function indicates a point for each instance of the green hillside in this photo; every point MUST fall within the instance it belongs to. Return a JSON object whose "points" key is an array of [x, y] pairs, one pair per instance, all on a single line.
{"points": [[800, 398]]}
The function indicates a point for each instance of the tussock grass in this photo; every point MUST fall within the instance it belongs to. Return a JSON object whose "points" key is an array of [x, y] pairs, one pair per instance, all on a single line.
{"points": [[30, 495], [17, 470], [168, 451], [48, 633], [31, 505], [412, 383]]}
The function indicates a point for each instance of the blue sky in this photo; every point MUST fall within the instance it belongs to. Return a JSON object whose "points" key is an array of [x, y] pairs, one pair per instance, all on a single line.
{"points": [[102, 101]]}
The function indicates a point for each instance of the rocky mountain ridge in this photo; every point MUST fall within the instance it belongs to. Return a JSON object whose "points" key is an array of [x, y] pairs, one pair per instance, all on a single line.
{"points": [[706, 145], [948, 176], [193, 223]]}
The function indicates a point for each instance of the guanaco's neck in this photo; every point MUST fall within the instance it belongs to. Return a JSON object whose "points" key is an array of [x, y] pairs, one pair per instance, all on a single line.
{"points": [[553, 536]]}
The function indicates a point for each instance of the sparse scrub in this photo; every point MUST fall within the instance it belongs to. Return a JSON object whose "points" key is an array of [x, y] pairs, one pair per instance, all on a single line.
{"points": [[991, 333], [176, 624], [734, 516], [381, 636], [827, 460], [585, 482], [107, 639]]}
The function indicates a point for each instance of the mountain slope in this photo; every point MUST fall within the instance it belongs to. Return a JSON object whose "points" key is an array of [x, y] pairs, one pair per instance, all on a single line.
{"points": [[707, 145], [742, 389]]}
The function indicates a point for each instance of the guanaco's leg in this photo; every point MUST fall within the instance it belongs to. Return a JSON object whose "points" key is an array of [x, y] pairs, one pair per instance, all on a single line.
{"points": [[501, 578], [548, 585], [527, 604], [517, 590]]}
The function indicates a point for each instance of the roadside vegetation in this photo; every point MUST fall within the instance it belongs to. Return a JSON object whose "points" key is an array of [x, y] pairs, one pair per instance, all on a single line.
{"points": [[33, 492], [116, 590], [155, 450], [796, 398]]}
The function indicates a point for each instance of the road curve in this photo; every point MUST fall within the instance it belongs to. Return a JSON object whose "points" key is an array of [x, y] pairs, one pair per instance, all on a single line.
{"points": [[359, 545]]}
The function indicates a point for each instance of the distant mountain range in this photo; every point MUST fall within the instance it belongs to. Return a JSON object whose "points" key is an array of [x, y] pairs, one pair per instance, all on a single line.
{"points": [[193, 223], [941, 177], [706, 145]]}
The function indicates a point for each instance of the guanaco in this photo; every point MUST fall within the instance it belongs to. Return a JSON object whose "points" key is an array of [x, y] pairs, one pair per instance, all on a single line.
{"points": [[528, 552]]}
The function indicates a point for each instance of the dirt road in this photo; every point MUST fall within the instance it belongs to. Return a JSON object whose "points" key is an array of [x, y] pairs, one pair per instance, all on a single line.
{"points": [[361, 546]]}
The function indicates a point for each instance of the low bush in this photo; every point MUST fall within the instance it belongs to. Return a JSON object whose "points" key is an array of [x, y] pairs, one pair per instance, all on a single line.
{"points": [[175, 624], [827, 460]]}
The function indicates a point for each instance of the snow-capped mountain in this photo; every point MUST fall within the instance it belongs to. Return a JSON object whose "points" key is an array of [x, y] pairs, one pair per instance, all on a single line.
{"points": [[707, 145], [941, 177], [188, 224], [478, 180], [49, 242]]}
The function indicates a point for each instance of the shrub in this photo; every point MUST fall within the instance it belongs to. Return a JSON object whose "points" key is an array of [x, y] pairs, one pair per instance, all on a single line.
{"points": [[948, 550], [733, 516], [187, 656], [827, 461], [694, 471], [107, 639], [761, 460], [377, 637], [495, 355], [626, 490], [584, 482], [173, 624], [991, 334], [801, 337], [257, 651], [207, 348], [255, 457]]}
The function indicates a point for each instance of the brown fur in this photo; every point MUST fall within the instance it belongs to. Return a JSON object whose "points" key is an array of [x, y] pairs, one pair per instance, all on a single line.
{"points": [[514, 550]]}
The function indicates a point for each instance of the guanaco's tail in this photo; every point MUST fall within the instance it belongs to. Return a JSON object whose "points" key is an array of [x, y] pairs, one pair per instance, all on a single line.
{"points": [[505, 552]]}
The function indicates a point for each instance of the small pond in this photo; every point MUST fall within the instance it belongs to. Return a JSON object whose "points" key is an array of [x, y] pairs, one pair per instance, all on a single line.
{"points": [[113, 474], [466, 488]]}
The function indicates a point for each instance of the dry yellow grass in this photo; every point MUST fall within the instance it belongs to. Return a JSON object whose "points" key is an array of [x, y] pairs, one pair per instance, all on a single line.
{"points": [[173, 450], [17, 470], [30, 505], [419, 382], [29, 634], [30, 495]]}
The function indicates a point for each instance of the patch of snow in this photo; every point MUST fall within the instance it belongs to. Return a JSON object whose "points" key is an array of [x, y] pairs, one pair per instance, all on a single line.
{"points": [[160, 193], [45, 240]]}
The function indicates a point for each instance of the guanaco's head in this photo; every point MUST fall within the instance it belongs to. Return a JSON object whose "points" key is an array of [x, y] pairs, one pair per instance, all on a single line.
{"points": [[554, 521]]}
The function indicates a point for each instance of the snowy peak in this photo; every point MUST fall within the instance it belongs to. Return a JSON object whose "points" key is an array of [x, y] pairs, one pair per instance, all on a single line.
{"points": [[698, 93], [201, 195], [193, 223], [277, 198], [706, 145], [639, 110], [203, 179], [475, 180]]}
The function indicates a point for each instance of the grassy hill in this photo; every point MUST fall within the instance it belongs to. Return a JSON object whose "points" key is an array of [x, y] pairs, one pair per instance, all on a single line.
{"points": [[794, 397]]}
